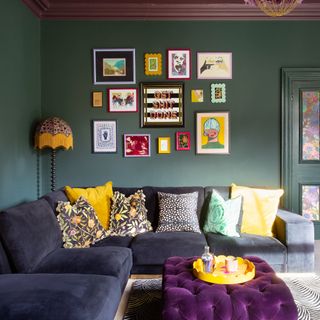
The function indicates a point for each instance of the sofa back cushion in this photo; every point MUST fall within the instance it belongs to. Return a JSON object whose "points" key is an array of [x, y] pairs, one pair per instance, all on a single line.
{"points": [[54, 197], [152, 202], [29, 232], [4, 263]]}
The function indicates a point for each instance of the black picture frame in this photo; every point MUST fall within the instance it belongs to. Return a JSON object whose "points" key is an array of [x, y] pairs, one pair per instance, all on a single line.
{"points": [[114, 66], [162, 104]]}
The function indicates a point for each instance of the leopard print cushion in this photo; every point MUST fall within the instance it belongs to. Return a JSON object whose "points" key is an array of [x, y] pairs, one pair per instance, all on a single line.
{"points": [[178, 212]]}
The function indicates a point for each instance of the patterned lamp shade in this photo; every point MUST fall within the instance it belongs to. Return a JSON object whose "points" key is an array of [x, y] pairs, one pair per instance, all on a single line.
{"points": [[53, 133]]}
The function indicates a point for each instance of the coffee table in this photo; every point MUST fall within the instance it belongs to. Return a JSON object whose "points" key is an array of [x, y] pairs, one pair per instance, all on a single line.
{"points": [[266, 297]]}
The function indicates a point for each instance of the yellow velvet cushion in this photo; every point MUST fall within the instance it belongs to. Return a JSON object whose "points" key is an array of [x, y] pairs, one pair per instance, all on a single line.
{"points": [[99, 197], [259, 209]]}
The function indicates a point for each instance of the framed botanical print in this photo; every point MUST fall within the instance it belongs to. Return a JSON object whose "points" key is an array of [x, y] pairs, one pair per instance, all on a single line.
{"points": [[214, 65], [183, 140], [104, 136], [137, 145], [114, 66], [164, 145], [179, 64], [122, 100], [218, 92], [212, 133], [162, 104], [153, 64]]}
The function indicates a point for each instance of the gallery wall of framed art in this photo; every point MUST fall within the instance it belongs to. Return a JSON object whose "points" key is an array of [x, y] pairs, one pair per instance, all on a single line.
{"points": [[161, 104]]}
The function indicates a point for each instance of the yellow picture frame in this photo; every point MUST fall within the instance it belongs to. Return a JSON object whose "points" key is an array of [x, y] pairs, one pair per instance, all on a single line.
{"points": [[97, 99], [153, 64], [164, 145]]}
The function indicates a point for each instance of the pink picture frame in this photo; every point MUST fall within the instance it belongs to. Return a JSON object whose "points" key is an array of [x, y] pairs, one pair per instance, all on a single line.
{"points": [[179, 64], [122, 99], [137, 145], [183, 140]]}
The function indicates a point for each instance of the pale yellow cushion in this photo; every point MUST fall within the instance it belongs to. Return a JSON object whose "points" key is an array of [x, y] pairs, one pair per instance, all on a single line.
{"points": [[99, 197], [259, 208]]}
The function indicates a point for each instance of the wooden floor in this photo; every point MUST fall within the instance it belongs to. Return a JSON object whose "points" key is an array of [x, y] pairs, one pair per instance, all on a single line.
{"points": [[124, 300]]}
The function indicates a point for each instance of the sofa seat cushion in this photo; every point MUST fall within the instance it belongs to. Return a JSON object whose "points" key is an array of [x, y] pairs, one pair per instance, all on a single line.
{"points": [[267, 248], [116, 241], [29, 232], [154, 248], [113, 261], [52, 297]]}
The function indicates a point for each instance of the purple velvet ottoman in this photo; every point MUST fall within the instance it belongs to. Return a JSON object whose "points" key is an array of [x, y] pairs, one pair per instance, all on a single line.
{"points": [[266, 297]]}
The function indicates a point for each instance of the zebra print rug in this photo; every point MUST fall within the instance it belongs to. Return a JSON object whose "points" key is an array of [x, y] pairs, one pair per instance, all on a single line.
{"points": [[145, 298]]}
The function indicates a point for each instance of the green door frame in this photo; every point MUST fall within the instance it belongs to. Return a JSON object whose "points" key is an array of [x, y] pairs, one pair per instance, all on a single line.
{"points": [[291, 79]]}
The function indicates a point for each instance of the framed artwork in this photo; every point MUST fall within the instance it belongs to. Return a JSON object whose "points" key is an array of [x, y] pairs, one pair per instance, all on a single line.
{"points": [[212, 132], [122, 100], [114, 66], [218, 92], [97, 99], [197, 95], [164, 145], [104, 136], [179, 64], [214, 65], [162, 104], [153, 64], [183, 141], [137, 145]]}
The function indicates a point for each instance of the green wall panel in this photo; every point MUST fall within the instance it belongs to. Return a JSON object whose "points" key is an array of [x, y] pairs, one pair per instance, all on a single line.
{"points": [[259, 50], [20, 102]]}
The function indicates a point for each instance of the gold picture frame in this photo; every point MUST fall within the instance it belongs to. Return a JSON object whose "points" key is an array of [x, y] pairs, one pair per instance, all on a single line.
{"points": [[164, 145], [153, 64], [97, 99]]}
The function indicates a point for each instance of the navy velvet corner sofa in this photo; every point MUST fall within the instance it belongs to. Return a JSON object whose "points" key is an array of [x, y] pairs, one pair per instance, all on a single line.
{"points": [[39, 279]]}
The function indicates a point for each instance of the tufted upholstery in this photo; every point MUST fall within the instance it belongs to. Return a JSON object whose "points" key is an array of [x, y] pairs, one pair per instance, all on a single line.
{"points": [[186, 297]]}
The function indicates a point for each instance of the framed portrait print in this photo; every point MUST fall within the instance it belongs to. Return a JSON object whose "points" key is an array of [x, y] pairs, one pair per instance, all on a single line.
{"points": [[183, 140], [122, 100], [137, 145], [162, 104], [164, 145], [214, 65], [212, 132], [97, 99], [104, 134], [153, 64], [218, 92], [114, 66], [179, 64]]}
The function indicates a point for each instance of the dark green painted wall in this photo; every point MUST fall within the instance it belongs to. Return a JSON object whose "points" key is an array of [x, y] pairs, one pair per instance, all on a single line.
{"points": [[20, 93], [259, 50]]}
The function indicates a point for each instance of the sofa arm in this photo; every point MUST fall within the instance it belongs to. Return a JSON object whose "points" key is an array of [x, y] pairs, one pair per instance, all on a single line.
{"points": [[297, 234]]}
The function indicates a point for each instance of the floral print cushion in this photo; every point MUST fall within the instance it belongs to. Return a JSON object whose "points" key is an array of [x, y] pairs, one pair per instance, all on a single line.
{"points": [[129, 214], [79, 224]]}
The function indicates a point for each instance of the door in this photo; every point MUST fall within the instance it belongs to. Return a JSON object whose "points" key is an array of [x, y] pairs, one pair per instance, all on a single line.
{"points": [[300, 142]]}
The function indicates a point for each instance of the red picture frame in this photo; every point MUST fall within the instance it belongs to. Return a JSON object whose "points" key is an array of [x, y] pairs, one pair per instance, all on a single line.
{"points": [[183, 140], [179, 64], [122, 99]]}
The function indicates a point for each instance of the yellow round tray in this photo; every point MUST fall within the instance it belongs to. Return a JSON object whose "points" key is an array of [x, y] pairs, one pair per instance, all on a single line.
{"points": [[245, 272]]}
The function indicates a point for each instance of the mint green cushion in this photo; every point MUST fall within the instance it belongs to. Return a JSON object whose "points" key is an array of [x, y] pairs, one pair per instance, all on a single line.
{"points": [[223, 216]]}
